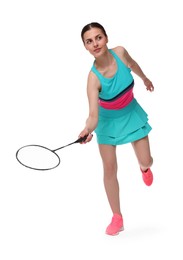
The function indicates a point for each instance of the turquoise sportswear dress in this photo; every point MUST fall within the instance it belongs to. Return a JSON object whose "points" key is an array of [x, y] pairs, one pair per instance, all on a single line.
{"points": [[126, 122]]}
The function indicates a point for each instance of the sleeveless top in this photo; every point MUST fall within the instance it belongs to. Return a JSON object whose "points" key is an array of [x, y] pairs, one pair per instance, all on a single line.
{"points": [[117, 91]]}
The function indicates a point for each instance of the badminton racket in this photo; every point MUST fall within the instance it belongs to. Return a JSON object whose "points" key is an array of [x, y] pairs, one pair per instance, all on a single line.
{"points": [[38, 157]]}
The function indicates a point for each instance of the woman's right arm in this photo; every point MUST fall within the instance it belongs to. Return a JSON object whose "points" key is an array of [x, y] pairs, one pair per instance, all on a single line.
{"points": [[93, 87]]}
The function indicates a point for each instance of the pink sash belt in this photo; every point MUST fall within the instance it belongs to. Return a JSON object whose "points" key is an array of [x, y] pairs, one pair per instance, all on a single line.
{"points": [[118, 103]]}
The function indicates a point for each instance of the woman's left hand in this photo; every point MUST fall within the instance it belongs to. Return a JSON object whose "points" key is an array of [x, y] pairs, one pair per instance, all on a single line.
{"points": [[149, 85]]}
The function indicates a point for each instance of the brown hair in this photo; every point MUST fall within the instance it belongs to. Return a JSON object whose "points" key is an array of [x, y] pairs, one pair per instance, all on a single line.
{"points": [[90, 26]]}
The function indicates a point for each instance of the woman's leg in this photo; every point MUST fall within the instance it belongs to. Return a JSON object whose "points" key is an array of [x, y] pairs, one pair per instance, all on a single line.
{"points": [[108, 154], [143, 153]]}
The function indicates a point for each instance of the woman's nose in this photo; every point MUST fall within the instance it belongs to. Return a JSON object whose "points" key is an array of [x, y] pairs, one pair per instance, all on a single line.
{"points": [[95, 44]]}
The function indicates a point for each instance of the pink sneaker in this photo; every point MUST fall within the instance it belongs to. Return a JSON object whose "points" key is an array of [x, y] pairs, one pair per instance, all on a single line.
{"points": [[147, 177], [115, 226]]}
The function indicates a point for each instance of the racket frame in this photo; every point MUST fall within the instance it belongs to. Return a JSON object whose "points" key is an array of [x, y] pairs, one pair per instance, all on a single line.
{"points": [[79, 140], [34, 168]]}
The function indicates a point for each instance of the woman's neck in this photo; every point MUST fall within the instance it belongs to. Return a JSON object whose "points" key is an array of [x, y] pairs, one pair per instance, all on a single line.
{"points": [[104, 60]]}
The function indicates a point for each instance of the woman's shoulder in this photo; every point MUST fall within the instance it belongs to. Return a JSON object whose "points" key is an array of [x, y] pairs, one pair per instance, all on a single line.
{"points": [[119, 50], [93, 81], [93, 77]]}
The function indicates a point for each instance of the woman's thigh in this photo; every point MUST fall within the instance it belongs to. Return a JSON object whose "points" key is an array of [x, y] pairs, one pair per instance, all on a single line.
{"points": [[108, 155]]}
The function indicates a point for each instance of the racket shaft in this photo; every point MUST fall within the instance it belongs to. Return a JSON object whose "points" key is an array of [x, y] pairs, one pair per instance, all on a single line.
{"points": [[79, 140]]}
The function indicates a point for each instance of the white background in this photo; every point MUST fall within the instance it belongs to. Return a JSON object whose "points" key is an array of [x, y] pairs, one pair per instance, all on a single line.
{"points": [[62, 214]]}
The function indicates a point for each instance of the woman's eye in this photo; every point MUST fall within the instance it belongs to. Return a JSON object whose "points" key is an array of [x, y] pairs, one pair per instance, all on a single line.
{"points": [[99, 37], [88, 42]]}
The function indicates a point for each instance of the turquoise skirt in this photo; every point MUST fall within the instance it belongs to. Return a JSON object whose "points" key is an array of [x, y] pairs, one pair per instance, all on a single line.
{"points": [[122, 126]]}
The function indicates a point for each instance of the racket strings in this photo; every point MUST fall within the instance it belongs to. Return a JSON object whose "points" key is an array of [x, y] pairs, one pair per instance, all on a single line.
{"points": [[37, 157]]}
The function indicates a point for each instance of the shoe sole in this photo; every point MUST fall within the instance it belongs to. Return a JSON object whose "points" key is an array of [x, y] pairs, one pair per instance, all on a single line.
{"points": [[121, 229]]}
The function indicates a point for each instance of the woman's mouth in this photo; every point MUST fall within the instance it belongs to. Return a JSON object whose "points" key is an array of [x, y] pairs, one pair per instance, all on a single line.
{"points": [[97, 50]]}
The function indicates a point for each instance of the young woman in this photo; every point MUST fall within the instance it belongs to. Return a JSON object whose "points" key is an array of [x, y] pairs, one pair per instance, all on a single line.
{"points": [[114, 113]]}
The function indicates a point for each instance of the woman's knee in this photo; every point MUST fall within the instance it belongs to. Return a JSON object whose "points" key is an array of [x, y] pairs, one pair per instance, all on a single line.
{"points": [[108, 154], [110, 170]]}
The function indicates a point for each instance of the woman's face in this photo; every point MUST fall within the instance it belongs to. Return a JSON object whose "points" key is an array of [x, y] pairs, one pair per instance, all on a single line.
{"points": [[95, 41]]}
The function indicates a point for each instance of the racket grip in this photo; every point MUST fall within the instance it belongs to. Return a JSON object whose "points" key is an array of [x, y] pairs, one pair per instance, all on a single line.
{"points": [[82, 139]]}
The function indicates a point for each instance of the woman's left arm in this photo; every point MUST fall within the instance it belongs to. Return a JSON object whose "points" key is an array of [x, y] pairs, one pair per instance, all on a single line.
{"points": [[133, 65]]}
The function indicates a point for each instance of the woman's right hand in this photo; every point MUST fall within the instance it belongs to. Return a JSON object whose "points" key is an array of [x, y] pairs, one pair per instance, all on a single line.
{"points": [[85, 132]]}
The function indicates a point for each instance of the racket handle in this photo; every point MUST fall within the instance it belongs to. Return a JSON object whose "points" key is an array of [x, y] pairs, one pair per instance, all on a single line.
{"points": [[81, 139]]}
